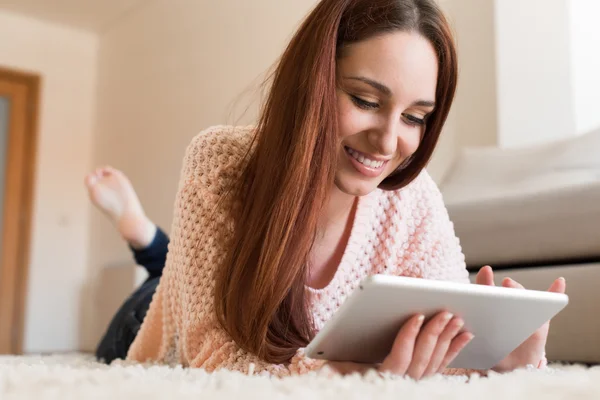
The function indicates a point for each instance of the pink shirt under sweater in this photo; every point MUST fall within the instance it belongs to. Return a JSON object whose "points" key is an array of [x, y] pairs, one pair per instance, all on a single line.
{"points": [[405, 232]]}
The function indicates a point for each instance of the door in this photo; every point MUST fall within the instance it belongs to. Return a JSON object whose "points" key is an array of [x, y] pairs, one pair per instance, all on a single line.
{"points": [[18, 123]]}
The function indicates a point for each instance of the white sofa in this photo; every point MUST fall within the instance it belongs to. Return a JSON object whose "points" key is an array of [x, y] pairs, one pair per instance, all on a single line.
{"points": [[534, 214]]}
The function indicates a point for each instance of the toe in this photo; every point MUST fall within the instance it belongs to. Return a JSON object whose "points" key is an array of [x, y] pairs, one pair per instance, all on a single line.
{"points": [[90, 180]]}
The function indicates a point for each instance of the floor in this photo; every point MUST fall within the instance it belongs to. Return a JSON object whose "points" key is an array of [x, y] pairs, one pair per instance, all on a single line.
{"points": [[77, 376]]}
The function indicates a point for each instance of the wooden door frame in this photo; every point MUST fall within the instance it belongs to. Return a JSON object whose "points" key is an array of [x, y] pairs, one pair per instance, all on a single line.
{"points": [[22, 89]]}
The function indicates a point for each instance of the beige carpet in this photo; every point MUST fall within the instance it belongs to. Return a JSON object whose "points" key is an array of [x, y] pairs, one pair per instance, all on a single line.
{"points": [[79, 377]]}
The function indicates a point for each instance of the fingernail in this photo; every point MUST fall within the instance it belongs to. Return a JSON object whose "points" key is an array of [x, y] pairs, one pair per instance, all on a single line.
{"points": [[420, 319], [448, 317], [470, 337], [562, 279]]}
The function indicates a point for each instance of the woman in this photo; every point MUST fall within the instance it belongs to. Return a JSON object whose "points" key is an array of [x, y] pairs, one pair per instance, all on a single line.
{"points": [[275, 225]]}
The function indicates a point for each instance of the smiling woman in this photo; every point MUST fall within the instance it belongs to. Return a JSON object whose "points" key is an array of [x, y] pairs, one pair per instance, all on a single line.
{"points": [[276, 224]]}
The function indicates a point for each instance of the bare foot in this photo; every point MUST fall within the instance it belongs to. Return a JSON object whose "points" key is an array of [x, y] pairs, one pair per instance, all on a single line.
{"points": [[112, 193]]}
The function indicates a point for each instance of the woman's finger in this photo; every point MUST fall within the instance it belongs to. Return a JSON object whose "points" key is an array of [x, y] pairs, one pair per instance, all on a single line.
{"points": [[485, 276], [452, 330], [348, 368], [426, 344], [398, 360], [558, 286], [511, 283], [459, 343]]}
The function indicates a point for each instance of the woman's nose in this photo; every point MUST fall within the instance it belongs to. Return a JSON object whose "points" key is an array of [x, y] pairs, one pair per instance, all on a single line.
{"points": [[385, 139]]}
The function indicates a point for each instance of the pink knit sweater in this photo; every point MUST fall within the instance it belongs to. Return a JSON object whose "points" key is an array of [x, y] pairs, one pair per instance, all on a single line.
{"points": [[405, 232]]}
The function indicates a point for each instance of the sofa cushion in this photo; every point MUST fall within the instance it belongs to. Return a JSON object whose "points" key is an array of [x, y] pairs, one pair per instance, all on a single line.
{"points": [[535, 204]]}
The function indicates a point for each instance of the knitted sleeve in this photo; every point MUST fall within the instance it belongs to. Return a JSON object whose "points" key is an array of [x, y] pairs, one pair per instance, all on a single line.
{"points": [[181, 326], [225, 353]]}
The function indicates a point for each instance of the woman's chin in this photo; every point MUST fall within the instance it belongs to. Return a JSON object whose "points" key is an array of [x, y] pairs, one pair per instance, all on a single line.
{"points": [[355, 187]]}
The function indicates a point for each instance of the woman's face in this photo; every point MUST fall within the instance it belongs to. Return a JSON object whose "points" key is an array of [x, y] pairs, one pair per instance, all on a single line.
{"points": [[386, 90]]}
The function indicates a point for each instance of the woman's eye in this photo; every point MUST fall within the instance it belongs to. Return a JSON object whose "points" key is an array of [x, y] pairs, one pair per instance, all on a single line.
{"points": [[365, 105], [414, 121]]}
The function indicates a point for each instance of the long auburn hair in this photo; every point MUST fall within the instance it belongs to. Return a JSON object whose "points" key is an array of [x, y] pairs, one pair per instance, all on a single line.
{"points": [[260, 296]]}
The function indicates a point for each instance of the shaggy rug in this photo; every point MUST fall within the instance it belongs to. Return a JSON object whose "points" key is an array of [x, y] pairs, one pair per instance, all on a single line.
{"points": [[80, 377]]}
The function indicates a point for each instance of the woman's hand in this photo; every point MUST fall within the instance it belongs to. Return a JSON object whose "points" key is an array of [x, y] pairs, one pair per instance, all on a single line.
{"points": [[533, 350], [420, 350]]}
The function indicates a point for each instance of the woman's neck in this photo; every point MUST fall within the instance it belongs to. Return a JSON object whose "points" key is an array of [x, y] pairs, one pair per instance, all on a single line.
{"points": [[335, 225], [337, 209]]}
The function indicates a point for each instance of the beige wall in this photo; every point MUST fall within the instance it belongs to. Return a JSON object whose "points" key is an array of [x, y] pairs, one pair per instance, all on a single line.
{"points": [[473, 118], [475, 107], [168, 71], [66, 61], [163, 73], [174, 68]]}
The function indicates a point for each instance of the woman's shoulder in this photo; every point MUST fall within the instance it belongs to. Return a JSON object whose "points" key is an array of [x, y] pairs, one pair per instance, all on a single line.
{"points": [[215, 149], [223, 137], [421, 191], [416, 201], [220, 143], [425, 186]]}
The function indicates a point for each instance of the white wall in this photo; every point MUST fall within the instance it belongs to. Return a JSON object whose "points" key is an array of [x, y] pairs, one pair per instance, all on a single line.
{"points": [[585, 40], [166, 72], [535, 99], [66, 61]]}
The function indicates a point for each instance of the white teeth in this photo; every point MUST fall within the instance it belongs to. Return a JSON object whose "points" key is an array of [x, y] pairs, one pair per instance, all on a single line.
{"points": [[367, 162]]}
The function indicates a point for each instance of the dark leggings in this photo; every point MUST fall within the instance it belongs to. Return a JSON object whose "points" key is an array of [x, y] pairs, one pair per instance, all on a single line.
{"points": [[127, 321]]}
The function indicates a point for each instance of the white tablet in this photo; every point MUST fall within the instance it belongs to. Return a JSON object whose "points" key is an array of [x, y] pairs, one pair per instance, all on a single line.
{"points": [[364, 328]]}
